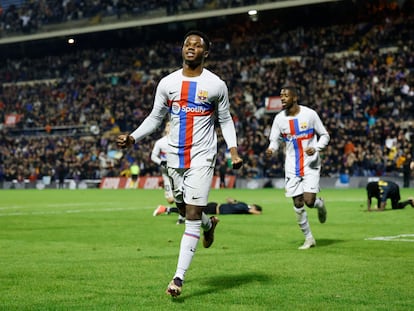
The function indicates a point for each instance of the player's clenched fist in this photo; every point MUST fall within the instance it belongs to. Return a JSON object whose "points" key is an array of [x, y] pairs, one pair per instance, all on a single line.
{"points": [[237, 163], [124, 141], [269, 153]]}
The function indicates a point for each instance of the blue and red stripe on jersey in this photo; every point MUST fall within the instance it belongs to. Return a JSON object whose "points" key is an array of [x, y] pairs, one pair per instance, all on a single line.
{"points": [[189, 109], [296, 137]]}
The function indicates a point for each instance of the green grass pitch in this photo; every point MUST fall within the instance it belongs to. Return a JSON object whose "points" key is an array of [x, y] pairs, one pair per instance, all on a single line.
{"points": [[103, 250]]}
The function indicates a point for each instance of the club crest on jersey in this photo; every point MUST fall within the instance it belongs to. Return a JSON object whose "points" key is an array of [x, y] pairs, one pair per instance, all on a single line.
{"points": [[175, 108], [202, 95], [303, 126]]}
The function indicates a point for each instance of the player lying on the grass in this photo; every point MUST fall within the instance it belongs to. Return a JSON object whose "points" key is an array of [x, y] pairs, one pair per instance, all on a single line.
{"points": [[382, 190], [231, 206]]}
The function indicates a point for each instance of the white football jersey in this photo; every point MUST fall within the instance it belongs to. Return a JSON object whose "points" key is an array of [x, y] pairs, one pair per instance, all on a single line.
{"points": [[299, 132], [160, 150], [193, 104]]}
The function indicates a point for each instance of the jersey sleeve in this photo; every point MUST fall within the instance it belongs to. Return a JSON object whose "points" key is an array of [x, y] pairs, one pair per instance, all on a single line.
{"points": [[323, 134], [224, 117], [275, 135], [155, 153]]}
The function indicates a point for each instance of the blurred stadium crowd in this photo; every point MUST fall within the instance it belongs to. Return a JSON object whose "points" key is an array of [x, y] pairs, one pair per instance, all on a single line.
{"points": [[26, 16], [358, 75]]}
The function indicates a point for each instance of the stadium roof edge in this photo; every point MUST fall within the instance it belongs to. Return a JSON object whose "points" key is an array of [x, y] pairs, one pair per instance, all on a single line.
{"points": [[159, 20]]}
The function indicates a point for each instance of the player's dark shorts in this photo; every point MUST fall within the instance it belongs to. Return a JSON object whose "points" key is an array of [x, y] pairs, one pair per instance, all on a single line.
{"points": [[211, 208], [392, 192]]}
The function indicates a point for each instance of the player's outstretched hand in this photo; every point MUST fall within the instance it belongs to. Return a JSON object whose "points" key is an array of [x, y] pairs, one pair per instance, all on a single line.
{"points": [[124, 141]]}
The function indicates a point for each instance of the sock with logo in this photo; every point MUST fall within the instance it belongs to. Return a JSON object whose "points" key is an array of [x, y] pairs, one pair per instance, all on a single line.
{"points": [[302, 220], [188, 246]]}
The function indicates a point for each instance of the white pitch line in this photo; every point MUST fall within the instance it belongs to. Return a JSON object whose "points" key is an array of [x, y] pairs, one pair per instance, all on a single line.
{"points": [[80, 204], [12, 207], [15, 207], [73, 211], [394, 238], [56, 205]]}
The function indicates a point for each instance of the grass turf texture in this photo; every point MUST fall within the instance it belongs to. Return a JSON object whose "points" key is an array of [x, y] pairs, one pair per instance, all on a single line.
{"points": [[103, 250]]}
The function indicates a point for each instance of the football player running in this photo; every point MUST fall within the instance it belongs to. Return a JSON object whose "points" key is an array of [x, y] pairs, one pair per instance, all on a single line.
{"points": [[304, 135], [193, 97]]}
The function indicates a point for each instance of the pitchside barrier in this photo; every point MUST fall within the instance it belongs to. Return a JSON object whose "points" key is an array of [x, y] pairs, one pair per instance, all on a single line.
{"points": [[155, 182]]}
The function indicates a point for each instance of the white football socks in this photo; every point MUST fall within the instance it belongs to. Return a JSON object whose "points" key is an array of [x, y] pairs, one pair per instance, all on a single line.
{"points": [[205, 222], [302, 220], [188, 247], [318, 203]]}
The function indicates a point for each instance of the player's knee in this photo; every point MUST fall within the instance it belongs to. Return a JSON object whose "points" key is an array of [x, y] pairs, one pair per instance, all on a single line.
{"points": [[309, 199], [193, 212], [299, 205], [298, 202], [310, 202]]}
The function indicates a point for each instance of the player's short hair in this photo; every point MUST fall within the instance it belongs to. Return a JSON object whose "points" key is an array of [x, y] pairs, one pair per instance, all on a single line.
{"points": [[258, 207], [206, 40], [292, 89]]}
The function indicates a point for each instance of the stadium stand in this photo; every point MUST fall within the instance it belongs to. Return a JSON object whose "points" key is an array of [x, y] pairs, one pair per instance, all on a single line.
{"points": [[25, 16], [65, 108]]}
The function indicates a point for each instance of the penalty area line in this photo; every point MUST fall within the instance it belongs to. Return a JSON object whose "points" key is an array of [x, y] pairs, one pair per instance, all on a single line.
{"points": [[394, 238]]}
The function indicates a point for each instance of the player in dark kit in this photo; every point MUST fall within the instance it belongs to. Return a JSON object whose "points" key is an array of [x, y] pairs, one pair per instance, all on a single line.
{"points": [[383, 190], [234, 207], [231, 206]]}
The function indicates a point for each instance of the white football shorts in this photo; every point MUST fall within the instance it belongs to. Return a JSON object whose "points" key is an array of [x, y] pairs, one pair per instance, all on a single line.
{"points": [[296, 185], [168, 193], [191, 185]]}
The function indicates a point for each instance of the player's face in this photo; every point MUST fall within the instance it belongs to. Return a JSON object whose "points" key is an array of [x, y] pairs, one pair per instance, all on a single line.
{"points": [[193, 51], [287, 98]]}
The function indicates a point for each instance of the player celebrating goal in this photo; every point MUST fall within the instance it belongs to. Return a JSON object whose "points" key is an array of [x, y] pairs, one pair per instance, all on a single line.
{"points": [[299, 127], [193, 97]]}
